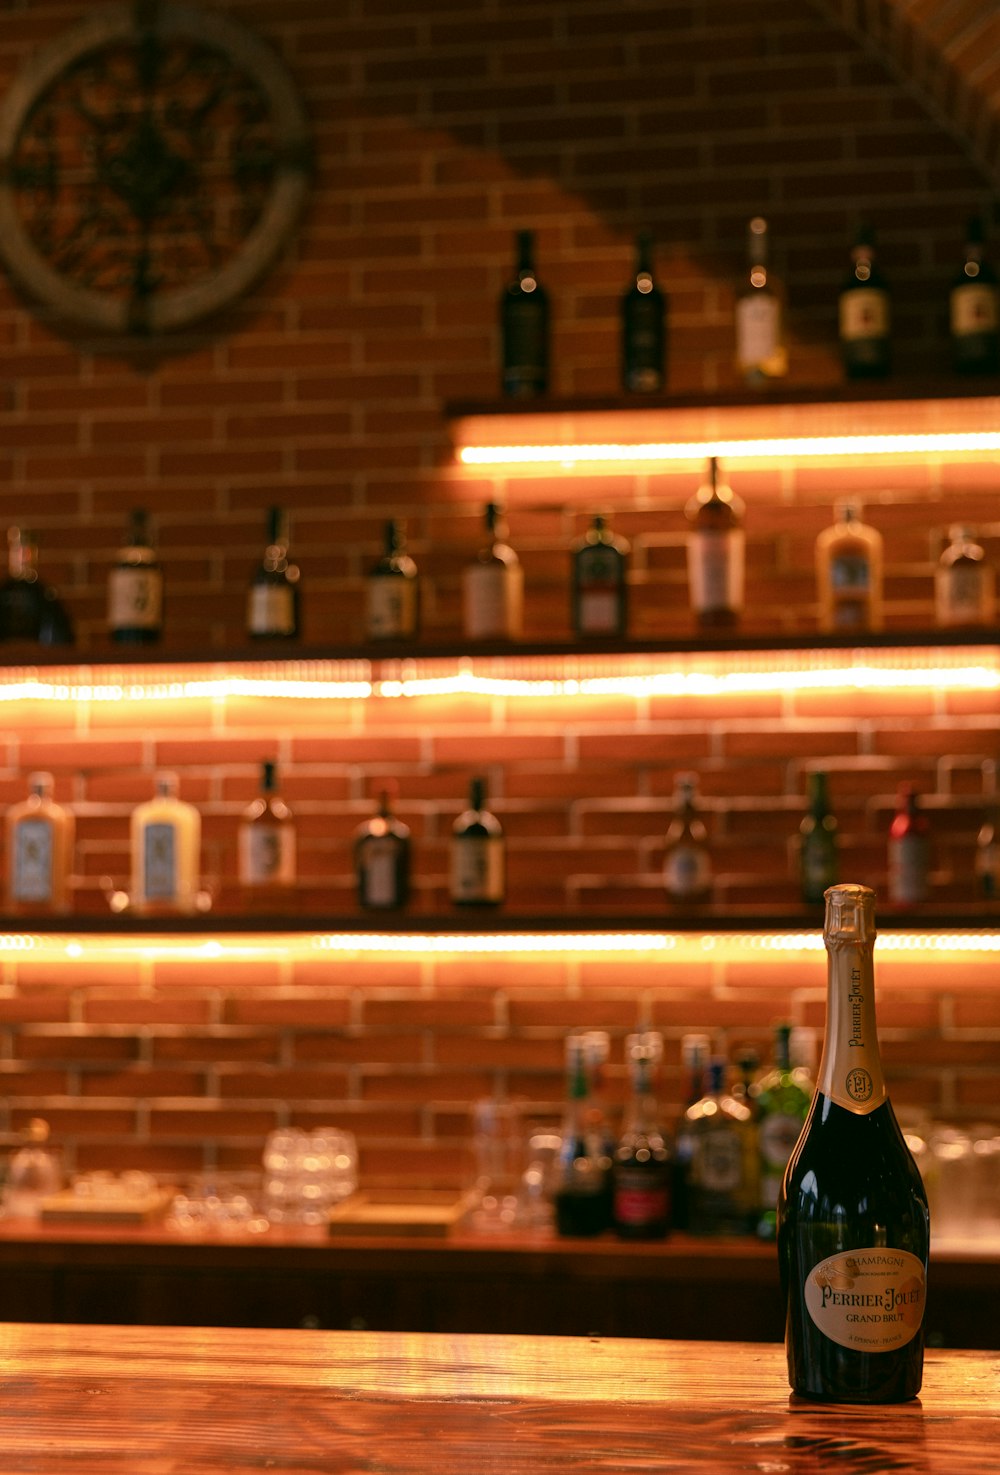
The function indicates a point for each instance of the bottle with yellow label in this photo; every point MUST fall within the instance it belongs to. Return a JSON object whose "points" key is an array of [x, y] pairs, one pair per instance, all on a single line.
{"points": [[853, 1225], [166, 849], [39, 850]]}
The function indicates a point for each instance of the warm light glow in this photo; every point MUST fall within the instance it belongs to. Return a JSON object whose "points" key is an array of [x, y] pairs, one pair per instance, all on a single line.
{"points": [[213, 688], [778, 448]]}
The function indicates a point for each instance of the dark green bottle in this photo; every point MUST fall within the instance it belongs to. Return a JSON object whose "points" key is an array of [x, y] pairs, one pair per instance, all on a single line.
{"points": [[524, 326], [865, 314], [974, 309], [818, 845], [853, 1226], [644, 328]]}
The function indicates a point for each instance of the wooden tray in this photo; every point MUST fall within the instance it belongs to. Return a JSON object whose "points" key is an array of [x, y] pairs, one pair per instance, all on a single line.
{"points": [[388, 1212], [68, 1207]]}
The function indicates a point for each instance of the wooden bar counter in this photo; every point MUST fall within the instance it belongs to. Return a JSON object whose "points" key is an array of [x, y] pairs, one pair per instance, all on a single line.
{"points": [[184, 1401]]}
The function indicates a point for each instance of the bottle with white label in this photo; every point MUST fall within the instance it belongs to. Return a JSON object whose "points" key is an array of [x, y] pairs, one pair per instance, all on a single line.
{"points": [[849, 572], [974, 309], [716, 552], [493, 586], [165, 835], [909, 850], [135, 587], [266, 842], [963, 582], [600, 588], [273, 596], [687, 864], [761, 353], [864, 313], [382, 860], [853, 1225], [477, 854], [39, 851], [391, 591]]}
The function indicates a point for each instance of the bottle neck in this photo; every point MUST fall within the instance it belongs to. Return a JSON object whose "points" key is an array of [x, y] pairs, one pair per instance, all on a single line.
{"points": [[850, 1071]]}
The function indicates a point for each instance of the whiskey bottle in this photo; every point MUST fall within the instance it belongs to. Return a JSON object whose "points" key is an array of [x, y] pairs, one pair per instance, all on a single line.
{"points": [[643, 315], [864, 314], [382, 859], [266, 842], [165, 834], [477, 853], [974, 309], [391, 591], [716, 552], [723, 1176], [135, 587], [695, 1050], [963, 582], [761, 352], [687, 866], [580, 1197], [849, 572], [493, 586], [782, 1104], [817, 842], [29, 609], [642, 1169], [524, 326], [39, 851], [600, 587], [273, 596]]}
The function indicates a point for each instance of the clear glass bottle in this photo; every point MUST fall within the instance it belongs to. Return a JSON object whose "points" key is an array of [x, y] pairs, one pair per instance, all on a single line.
{"points": [[493, 586], [716, 552], [963, 582], [477, 853], [273, 596], [524, 326], [723, 1176], [382, 859], [391, 591], [39, 851], [600, 583], [266, 842], [34, 1174], [761, 351], [853, 1225], [165, 834], [135, 587], [580, 1198], [644, 333], [974, 308], [642, 1169], [909, 850], [782, 1104], [817, 842], [695, 1051], [687, 865], [864, 313], [849, 572], [29, 609]]}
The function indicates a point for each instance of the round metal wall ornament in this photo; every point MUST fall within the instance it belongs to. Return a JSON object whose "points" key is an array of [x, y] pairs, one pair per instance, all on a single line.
{"points": [[153, 161]]}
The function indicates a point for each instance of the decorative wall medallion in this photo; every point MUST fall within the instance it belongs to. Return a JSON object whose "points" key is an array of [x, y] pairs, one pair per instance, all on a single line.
{"points": [[153, 161]]}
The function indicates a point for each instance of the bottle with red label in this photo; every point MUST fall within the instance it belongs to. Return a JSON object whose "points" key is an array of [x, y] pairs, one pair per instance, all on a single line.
{"points": [[642, 1170], [716, 552], [909, 850]]}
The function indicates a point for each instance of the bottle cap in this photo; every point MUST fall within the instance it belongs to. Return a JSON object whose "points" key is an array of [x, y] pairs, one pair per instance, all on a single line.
{"points": [[850, 914]]}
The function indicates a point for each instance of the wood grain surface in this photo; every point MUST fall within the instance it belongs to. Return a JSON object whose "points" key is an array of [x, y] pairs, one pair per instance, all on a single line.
{"points": [[187, 1401]]}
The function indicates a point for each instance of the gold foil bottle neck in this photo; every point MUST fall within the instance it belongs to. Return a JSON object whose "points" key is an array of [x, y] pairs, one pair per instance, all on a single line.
{"points": [[850, 914]]}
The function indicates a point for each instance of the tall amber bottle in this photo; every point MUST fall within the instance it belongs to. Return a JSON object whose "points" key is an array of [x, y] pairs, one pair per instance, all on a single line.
{"points": [[849, 573], [39, 850]]}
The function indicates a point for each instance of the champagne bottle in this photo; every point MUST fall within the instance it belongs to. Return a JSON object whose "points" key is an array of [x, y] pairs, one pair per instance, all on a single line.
{"points": [[849, 572], [642, 1169], [524, 326], [273, 596], [600, 588], [909, 850], [817, 843], [963, 582], [853, 1226], [391, 591], [716, 552], [782, 1103], [761, 353], [864, 314], [29, 609], [493, 586], [477, 870], [382, 859], [974, 309], [687, 866], [135, 587], [722, 1180], [643, 315], [580, 1198], [266, 841], [39, 850], [165, 834]]}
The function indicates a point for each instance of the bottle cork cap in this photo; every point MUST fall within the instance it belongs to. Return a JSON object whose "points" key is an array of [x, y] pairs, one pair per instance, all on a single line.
{"points": [[850, 913]]}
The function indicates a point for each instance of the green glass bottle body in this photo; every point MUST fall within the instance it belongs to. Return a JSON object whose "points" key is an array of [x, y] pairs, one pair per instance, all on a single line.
{"points": [[818, 847], [643, 316], [524, 327], [853, 1225], [864, 314]]}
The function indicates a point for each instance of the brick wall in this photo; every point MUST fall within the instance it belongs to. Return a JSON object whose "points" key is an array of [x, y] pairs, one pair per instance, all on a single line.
{"points": [[439, 131]]}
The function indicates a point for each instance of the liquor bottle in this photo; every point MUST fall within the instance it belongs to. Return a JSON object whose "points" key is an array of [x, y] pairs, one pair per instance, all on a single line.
{"points": [[909, 850], [600, 587], [643, 314], [391, 591], [744, 1086], [29, 609], [477, 853], [963, 582], [165, 834], [722, 1179], [849, 572], [597, 1047], [687, 865], [273, 596], [382, 859], [493, 586], [853, 1226], [34, 1172], [694, 1062], [39, 850], [987, 859], [716, 552], [782, 1105], [761, 353], [864, 314], [642, 1169], [818, 842], [266, 842], [974, 309], [580, 1198], [524, 326], [135, 587]]}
